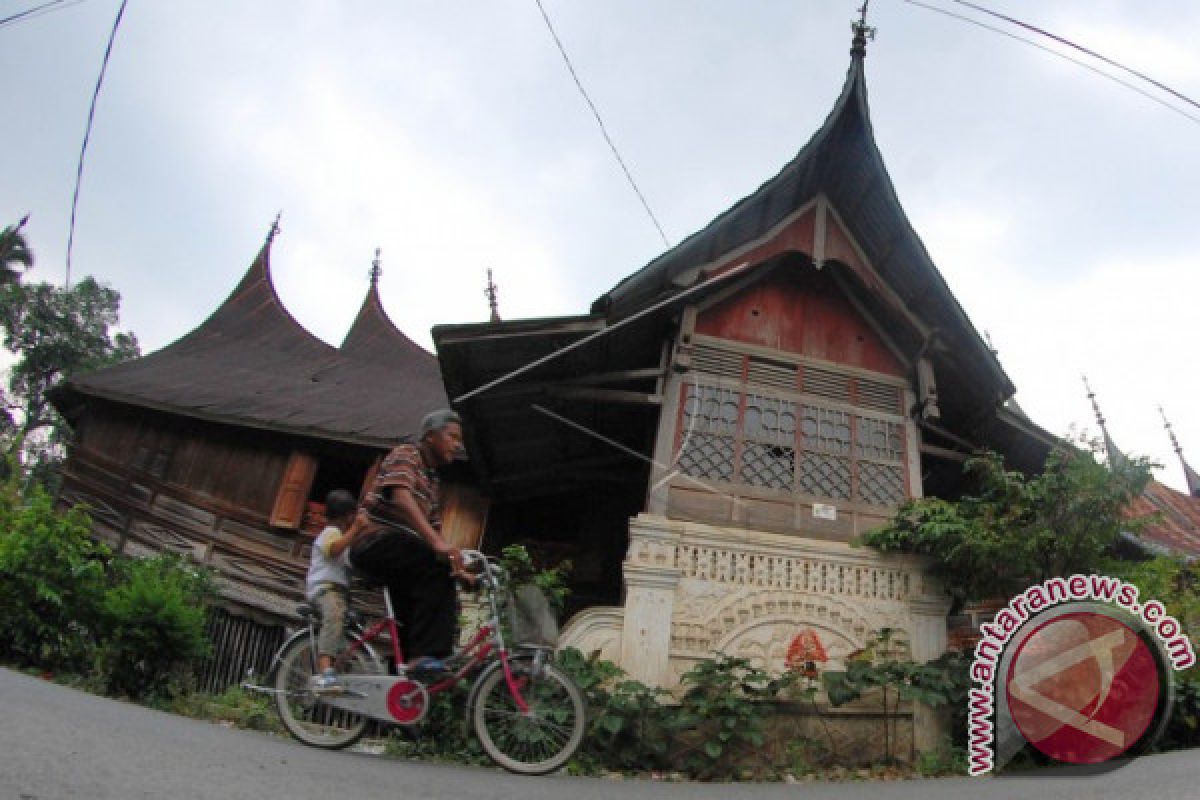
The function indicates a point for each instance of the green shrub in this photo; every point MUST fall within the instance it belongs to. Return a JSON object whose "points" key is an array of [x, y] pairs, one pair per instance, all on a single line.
{"points": [[51, 580], [519, 565], [235, 706], [881, 671], [442, 736], [154, 619], [630, 727], [724, 714], [1183, 729]]}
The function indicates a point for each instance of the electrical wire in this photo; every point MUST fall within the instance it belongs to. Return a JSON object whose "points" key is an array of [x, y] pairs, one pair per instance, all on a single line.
{"points": [[87, 134], [603, 130], [1080, 48], [38, 11], [1063, 56]]}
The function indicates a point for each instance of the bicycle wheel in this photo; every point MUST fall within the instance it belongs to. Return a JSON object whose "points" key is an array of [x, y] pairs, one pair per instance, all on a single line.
{"points": [[304, 716], [534, 742]]}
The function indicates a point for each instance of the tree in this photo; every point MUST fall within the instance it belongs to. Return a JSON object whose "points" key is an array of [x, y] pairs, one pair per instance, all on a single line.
{"points": [[55, 333], [1016, 530], [14, 251]]}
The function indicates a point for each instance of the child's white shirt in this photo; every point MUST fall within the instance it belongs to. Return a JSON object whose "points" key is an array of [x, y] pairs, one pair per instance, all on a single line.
{"points": [[324, 569]]}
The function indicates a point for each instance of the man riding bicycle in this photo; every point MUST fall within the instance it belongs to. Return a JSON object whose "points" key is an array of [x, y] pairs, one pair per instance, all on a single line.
{"points": [[405, 551]]}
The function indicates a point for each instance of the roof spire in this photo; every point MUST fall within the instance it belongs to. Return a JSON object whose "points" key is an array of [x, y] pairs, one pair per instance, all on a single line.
{"points": [[490, 293], [376, 269], [1115, 456], [987, 335], [1193, 479], [862, 33], [274, 228]]}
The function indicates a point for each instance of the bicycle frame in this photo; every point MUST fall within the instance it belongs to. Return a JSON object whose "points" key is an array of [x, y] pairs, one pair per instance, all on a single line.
{"points": [[487, 639], [529, 716]]}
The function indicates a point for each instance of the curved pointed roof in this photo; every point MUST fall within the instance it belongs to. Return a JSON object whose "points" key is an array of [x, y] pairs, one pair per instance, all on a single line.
{"points": [[252, 364], [374, 337], [842, 164]]}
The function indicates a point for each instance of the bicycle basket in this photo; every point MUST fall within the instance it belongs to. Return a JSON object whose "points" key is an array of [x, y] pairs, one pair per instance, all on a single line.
{"points": [[531, 620]]}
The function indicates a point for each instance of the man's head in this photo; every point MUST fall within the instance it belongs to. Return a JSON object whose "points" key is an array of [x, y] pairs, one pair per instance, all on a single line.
{"points": [[340, 506], [441, 435]]}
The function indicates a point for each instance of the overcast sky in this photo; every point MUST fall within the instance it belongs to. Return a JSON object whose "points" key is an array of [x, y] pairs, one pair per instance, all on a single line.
{"points": [[1060, 207]]}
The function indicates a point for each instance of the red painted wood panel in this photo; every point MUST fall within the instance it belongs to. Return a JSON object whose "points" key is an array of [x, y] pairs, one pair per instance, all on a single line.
{"points": [[800, 310]]}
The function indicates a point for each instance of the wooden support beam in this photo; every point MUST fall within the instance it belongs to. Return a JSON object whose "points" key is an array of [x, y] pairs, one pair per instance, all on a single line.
{"points": [[594, 379], [605, 395], [943, 452]]}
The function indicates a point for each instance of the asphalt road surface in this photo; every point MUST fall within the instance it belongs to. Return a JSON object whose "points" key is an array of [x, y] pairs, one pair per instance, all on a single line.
{"points": [[60, 743]]}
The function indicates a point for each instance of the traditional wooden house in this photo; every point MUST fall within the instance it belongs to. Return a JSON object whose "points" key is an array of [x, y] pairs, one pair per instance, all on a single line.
{"points": [[707, 440], [223, 444]]}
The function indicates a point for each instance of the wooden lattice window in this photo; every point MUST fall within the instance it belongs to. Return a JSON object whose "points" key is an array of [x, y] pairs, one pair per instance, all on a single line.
{"points": [[792, 427]]}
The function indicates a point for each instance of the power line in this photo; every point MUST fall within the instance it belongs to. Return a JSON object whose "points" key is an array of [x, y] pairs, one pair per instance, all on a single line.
{"points": [[1063, 56], [87, 134], [1080, 48], [38, 11], [600, 122]]}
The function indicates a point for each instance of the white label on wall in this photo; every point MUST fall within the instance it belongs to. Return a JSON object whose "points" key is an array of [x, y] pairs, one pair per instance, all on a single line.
{"points": [[823, 511]]}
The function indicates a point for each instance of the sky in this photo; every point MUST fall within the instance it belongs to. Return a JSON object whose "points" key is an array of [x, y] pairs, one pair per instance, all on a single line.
{"points": [[1060, 207]]}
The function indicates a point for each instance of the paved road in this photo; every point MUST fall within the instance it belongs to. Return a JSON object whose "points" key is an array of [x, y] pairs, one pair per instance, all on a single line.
{"points": [[59, 743]]}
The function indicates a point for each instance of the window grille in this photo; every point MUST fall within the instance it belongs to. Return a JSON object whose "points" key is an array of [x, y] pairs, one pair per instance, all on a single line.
{"points": [[836, 435]]}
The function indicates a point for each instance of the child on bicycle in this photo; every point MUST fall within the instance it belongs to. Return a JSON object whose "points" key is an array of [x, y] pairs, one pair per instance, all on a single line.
{"points": [[328, 583]]}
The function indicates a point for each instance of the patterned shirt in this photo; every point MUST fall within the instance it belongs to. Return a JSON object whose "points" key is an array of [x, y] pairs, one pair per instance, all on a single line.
{"points": [[404, 468]]}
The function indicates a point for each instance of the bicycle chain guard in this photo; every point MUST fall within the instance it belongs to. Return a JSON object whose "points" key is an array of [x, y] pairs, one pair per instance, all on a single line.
{"points": [[389, 698]]}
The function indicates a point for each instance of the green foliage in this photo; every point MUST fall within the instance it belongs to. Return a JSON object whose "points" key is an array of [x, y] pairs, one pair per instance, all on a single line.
{"points": [[716, 731], [949, 759], [631, 728], [880, 669], [1176, 584], [519, 565], [51, 580], [725, 709], [235, 706], [1183, 729], [154, 626], [442, 736], [54, 332], [14, 252], [1014, 530], [1171, 580], [950, 675]]}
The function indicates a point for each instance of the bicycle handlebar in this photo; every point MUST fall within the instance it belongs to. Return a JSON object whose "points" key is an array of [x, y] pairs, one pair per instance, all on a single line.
{"points": [[480, 564]]}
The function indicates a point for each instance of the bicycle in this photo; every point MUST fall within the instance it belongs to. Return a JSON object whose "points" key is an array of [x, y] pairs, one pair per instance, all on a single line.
{"points": [[529, 715]]}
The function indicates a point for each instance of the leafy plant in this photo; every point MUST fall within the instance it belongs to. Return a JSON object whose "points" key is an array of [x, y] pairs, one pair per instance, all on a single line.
{"points": [[51, 580], [234, 706], [880, 668], [442, 736], [54, 332], [1015, 530], [631, 727], [725, 709], [154, 615], [519, 565]]}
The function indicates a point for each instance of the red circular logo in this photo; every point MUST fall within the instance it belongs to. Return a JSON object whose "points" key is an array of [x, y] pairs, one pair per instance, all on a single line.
{"points": [[1083, 688]]}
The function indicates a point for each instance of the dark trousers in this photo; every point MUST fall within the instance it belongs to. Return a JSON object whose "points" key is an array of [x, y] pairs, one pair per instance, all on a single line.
{"points": [[422, 590]]}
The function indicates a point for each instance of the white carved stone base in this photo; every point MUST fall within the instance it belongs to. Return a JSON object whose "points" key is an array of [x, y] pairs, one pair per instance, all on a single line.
{"points": [[693, 590]]}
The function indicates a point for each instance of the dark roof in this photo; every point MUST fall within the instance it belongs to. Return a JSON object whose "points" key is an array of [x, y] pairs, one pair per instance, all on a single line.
{"points": [[374, 337], [252, 364], [840, 166], [842, 163]]}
